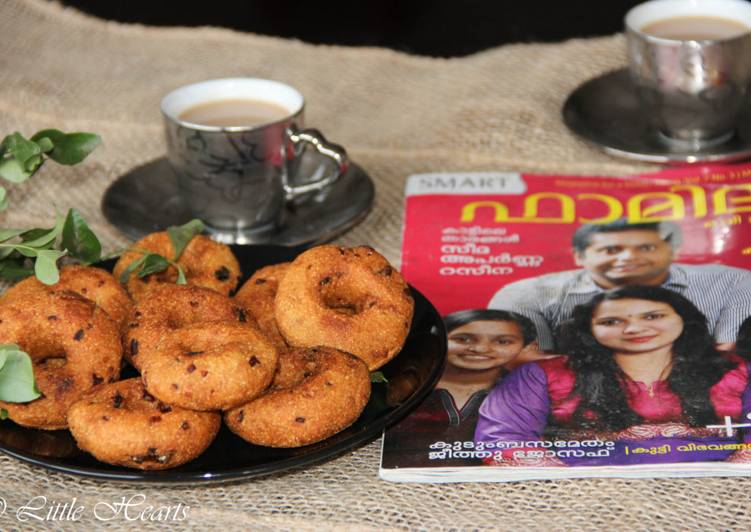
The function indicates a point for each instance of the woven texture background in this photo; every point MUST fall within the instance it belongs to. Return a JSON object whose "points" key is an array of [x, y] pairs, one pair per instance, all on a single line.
{"points": [[396, 115]]}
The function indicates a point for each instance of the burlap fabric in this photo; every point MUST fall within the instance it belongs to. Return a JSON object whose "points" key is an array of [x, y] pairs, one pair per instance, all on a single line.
{"points": [[396, 115]]}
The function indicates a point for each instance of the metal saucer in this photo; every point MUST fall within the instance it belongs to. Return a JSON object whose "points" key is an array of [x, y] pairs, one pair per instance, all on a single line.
{"points": [[606, 112], [146, 200]]}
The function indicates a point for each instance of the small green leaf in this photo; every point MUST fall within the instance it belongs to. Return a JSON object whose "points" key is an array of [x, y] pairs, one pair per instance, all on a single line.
{"points": [[7, 234], [180, 274], [45, 144], [131, 268], [17, 377], [377, 376], [153, 263], [45, 267], [32, 163], [72, 148], [181, 235], [13, 171], [22, 150], [3, 414], [42, 238], [79, 239], [52, 135], [15, 269]]}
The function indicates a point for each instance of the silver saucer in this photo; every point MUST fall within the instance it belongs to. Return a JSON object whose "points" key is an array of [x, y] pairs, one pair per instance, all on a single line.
{"points": [[146, 200], [605, 111]]}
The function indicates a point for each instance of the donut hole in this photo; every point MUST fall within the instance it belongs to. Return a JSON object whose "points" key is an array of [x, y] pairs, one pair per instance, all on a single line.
{"points": [[343, 298]]}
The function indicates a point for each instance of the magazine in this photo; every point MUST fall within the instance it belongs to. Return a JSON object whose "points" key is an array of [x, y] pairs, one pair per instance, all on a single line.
{"points": [[597, 326]]}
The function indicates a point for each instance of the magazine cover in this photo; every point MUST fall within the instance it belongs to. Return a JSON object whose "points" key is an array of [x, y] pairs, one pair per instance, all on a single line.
{"points": [[597, 326]]}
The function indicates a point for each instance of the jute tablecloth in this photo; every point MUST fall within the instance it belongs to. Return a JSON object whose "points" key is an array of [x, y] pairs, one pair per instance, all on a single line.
{"points": [[396, 115]]}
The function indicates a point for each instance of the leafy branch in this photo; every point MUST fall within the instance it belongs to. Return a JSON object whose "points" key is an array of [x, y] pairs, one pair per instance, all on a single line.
{"points": [[20, 158], [25, 252], [150, 262]]}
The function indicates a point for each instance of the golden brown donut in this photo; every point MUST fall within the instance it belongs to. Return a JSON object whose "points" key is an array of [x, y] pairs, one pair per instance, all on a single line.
{"points": [[316, 393], [205, 262], [73, 344], [209, 366], [122, 424], [350, 299], [169, 307], [257, 297], [95, 284]]}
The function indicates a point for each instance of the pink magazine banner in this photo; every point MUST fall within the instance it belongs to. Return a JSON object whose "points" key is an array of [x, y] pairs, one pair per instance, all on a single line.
{"points": [[466, 235]]}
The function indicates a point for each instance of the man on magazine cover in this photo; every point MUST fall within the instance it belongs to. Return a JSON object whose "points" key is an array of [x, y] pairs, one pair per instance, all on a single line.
{"points": [[620, 254]]}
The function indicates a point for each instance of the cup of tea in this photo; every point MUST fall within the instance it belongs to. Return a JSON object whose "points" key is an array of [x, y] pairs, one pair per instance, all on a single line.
{"points": [[235, 145], [690, 61]]}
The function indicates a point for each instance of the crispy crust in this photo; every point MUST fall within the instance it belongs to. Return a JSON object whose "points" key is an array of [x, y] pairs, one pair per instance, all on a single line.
{"points": [[347, 298], [257, 297], [95, 284], [122, 424], [73, 344], [206, 263], [316, 393], [210, 366], [168, 308]]}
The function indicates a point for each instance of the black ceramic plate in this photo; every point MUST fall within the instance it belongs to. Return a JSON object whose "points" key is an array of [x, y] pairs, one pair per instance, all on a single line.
{"points": [[411, 375]]}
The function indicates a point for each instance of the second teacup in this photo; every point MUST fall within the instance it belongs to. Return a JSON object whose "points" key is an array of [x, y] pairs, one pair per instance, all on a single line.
{"points": [[690, 61]]}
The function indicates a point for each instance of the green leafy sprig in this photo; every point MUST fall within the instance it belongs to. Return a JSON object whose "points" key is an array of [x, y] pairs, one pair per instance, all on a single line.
{"points": [[150, 262], [25, 252], [20, 158]]}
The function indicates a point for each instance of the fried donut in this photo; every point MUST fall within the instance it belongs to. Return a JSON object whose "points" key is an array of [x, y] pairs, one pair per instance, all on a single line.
{"points": [[257, 297], [210, 366], [349, 299], [316, 393], [73, 345], [92, 283], [205, 263], [169, 307], [122, 424]]}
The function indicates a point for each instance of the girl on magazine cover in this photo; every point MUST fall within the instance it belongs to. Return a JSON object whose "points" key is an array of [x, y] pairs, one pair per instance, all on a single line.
{"points": [[481, 343], [642, 382]]}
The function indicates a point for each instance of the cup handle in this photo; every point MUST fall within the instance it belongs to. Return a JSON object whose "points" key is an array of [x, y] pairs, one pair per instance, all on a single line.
{"points": [[325, 148]]}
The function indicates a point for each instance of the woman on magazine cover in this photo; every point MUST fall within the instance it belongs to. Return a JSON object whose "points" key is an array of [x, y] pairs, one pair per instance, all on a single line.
{"points": [[641, 383], [481, 343]]}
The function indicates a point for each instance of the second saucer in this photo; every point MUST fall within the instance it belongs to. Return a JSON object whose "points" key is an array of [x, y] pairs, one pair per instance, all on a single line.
{"points": [[606, 112]]}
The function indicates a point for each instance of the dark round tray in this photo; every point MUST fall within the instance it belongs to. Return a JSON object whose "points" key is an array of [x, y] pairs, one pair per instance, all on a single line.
{"points": [[410, 377]]}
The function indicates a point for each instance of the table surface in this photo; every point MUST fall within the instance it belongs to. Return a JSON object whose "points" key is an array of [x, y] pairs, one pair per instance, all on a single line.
{"points": [[397, 115]]}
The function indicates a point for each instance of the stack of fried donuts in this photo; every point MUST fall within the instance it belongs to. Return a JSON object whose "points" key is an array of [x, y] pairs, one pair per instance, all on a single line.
{"points": [[285, 362]]}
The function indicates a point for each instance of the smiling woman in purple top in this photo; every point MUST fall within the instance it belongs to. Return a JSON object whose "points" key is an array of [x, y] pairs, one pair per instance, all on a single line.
{"points": [[642, 372]]}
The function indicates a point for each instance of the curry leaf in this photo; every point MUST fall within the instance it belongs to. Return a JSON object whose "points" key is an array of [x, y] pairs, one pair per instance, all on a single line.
{"points": [[16, 376], [22, 150], [13, 171], [133, 266], [45, 267], [79, 239], [15, 269], [153, 263], [181, 235], [377, 376], [180, 274], [69, 148]]}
